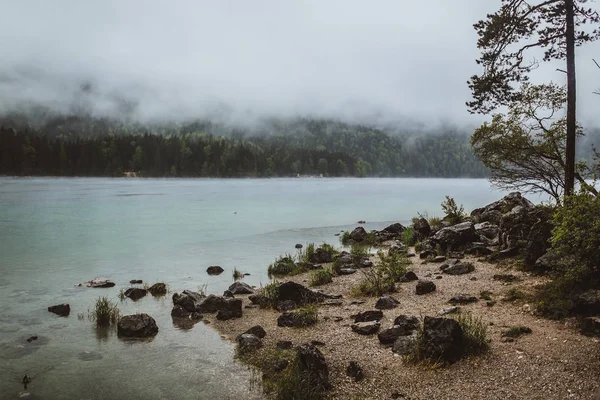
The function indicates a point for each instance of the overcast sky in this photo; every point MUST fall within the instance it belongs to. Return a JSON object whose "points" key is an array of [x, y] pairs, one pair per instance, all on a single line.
{"points": [[359, 59]]}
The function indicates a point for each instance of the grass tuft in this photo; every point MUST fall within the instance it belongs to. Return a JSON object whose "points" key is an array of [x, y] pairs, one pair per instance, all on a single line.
{"points": [[517, 331], [106, 313], [320, 277], [475, 334], [237, 274], [268, 295]]}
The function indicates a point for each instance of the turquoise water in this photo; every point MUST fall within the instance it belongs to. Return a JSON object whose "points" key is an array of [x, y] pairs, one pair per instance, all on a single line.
{"points": [[55, 233]]}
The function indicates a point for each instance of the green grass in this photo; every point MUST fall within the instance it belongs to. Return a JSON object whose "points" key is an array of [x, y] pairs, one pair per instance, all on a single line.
{"points": [[345, 238], [517, 331], [434, 222], [418, 247], [106, 313], [307, 315], [285, 265], [475, 334], [287, 383], [408, 236], [515, 294], [268, 295], [486, 295], [320, 277], [121, 295], [375, 282], [237, 274], [329, 248], [306, 253], [393, 265]]}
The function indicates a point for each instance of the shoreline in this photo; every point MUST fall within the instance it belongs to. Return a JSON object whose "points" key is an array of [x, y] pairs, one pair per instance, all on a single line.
{"points": [[530, 367]]}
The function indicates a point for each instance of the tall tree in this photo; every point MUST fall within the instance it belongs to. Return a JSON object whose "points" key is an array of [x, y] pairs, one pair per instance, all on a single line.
{"points": [[520, 26]]}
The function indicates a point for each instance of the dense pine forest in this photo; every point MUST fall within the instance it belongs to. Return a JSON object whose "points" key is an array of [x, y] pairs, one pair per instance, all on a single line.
{"points": [[75, 146]]}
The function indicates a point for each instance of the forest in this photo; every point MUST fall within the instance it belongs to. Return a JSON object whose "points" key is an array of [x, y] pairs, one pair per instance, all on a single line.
{"points": [[86, 146]]}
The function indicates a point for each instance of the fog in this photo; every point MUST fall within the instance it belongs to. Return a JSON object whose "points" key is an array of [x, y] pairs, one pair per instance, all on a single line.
{"points": [[377, 61]]}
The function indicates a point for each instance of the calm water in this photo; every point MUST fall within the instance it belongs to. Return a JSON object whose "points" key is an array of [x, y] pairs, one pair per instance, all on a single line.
{"points": [[55, 233]]}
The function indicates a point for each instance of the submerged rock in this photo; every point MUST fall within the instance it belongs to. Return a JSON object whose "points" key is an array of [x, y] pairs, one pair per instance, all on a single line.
{"points": [[98, 283], [60, 309], [214, 270], [158, 289], [137, 325], [135, 293]]}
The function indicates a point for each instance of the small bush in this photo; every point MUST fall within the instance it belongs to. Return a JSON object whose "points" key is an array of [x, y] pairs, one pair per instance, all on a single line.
{"points": [[268, 295], [475, 334], [393, 265], [434, 222], [408, 236], [320, 277], [454, 214], [345, 238], [329, 248], [307, 315], [285, 265], [106, 313], [517, 331], [306, 253], [375, 282]]}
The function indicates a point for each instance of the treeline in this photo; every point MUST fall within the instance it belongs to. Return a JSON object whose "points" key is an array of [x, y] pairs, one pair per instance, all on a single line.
{"points": [[308, 147]]}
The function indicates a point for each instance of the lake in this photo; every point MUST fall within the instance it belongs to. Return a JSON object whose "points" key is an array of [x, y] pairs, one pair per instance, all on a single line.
{"points": [[56, 233]]}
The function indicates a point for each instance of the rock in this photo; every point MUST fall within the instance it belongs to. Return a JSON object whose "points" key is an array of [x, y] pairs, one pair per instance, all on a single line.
{"points": [[60, 309], [298, 293], [587, 303], [284, 345], [135, 281], [362, 222], [458, 269], [346, 271], [99, 283], [456, 236], [396, 229], [355, 371], [409, 277], [365, 316], [404, 345], [590, 326], [410, 255], [366, 328], [506, 278], [493, 212], [421, 227], [31, 339], [188, 300], [240, 288], [255, 299], [298, 246], [317, 343], [438, 277], [426, 254], [257, 331], [294, 319], [158, 289], [135, 293], [226, 308], [312, 361], [449, 310], [180, 312], [487, 230], [386, 302], [407, 324], [548, 262], [424, 287], [228, 293], [321, 256], [214, 270], [442, 339], [287, 305], [479, 250], [137, 325], [462, 299], [358, 234], [439, 259], [249, 342]]}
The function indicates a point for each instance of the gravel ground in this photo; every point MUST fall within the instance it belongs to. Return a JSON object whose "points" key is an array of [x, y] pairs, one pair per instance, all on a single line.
{"points": [[553, 362]]}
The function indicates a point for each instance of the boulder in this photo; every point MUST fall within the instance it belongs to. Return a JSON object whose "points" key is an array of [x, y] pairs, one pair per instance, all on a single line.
{"points": [[312, 362], [371, 315], [98, 283], [227, 307], [407, 324], [548, 262], [249, 342], [458, 268], [240, 288], [135, 293], [426, 254], [366, 328], [462, 299], [409, 277], [346, 271], [487, 229], [456, 236], [214, 270], [60, 309], [405, 345], [353, 370], [386, 302], [538, 241], [395, 229], [286, 305], [321, 256], [158, 289], [590, 326], [479, 250], [228, 293], [284, 345], [424, 287], [493, 211], [439, 259], [587, 303], [257, 331], [135, 281], [421, 227], [301, 295], [398, 248], [358, 234], [442, 339], [137, 325], [187, 300]]}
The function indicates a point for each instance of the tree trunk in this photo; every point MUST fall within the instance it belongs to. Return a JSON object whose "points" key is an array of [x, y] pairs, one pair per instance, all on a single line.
{"points": [[571, 98]]}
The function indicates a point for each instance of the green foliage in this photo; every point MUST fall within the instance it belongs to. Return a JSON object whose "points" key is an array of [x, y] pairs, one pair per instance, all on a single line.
{"points": [[418, 247], [486, 295], [237, 274], [408, 236], [307, 315], [434, 222], [268, 295], [515, 294], [454, 214], [475, 334], [393, 265], [106, 313], [320, 277], [285, 265], [288, 383], [329, 248], [517, 331], [345, 238], [305, 253], [381, 278]]}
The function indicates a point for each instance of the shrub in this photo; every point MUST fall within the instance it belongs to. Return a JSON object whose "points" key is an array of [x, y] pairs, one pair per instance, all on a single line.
{"points": [[237, 274], [329, 248], [475, 334], [375, 282], [393, 265], [454, 214], [306, 253], [106, 313], [345, 238], [320, 277], [408, 236], [268, 295], [285, 265]]}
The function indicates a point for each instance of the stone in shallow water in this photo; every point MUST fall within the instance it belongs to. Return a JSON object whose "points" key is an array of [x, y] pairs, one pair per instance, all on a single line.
{"points": [[89, 356]]}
